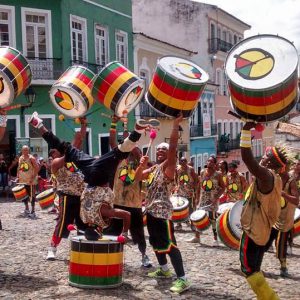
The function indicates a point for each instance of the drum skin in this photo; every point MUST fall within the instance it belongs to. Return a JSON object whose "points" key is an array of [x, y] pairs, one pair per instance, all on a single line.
{"points": [[118, 89], [46, 199], [15, 75], [20, 193], [200, 220], [95, 264], [176, 86], [180, 209], [262, 73], [71, 94]]}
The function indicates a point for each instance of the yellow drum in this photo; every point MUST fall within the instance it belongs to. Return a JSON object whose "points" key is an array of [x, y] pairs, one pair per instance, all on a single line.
{"points": [[46, 198]]}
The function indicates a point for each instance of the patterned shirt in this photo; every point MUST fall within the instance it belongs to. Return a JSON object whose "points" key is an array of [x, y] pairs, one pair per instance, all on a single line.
{"points": [[185, 182], [26, 170], [234, 187], [158, 202]]}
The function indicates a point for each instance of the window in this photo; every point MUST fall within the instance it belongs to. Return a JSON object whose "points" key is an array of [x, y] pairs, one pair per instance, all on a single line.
{"points": [[219, 32], [122, 47], [78, 39], [224, 35], [212, 31], [101, 43], [7, 27], [231, 130], [219, 129], [145, 75], [224, 84], [205, 158], [237, 129], [230, 38], [235, 39], [87, 141]]}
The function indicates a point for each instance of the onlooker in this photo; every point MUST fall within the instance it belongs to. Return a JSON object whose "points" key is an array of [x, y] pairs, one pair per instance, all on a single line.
{"points": [[42, 175], [3, 173]]}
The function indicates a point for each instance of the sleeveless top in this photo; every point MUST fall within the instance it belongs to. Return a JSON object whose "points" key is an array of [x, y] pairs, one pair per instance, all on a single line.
{"points": [[158, 202], [185, 182], [26, 170], [285, 221], [127, 191], [209, 190], [234, 187], [69, 180]]}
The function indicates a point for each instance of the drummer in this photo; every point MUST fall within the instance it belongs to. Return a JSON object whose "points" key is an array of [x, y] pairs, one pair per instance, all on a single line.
{"points": [[223, 168], [186, 184], [212, 186], [236, 184]]}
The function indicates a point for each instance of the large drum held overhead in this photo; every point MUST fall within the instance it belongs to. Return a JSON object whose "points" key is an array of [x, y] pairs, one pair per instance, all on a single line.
{"points": [[15, 75], [118, 89], [71, 94], [262, 73], [95, 264], [176, 86]]}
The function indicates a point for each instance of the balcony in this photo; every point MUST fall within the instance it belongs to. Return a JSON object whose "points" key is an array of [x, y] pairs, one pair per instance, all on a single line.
{"points": [[93, 67], [197, 130], [227, 145], [147, 112], [217, 44], [45, 68]]}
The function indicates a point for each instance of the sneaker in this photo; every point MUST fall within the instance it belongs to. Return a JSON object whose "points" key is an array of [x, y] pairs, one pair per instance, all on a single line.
{"points": [[284, 273], [215, 243], [180, 285], [159, 273], [32, 215], [51, 253], [178, 226], [289, 250], [146, 261], [25, 213], [35, 121], [194, 240]]}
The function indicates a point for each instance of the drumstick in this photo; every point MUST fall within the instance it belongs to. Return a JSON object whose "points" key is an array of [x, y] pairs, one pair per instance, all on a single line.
{"points": [[11, 107], [110, 116], [152, 137]]}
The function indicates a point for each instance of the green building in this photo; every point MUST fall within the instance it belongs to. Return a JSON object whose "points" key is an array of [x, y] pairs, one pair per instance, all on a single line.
{"points": [[54, 35]]}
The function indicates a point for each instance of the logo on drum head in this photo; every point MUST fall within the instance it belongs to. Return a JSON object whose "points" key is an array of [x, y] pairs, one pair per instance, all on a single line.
{"points": [[188, 70], [1, 85], [133, 95], [253, 64], [64, 100]]}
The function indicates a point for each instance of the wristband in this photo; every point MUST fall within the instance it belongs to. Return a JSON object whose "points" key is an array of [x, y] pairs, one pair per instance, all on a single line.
{"points": [[245, 140]]}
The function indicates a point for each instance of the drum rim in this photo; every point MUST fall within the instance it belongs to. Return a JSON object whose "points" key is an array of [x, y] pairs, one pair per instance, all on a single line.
{"points": [[12, 91], [20, 186], [240, 202], [134, 85], [20, 53], [81, 238], [205, 214], [50, 192], [182, 80], [75, 66], [110, 63]]}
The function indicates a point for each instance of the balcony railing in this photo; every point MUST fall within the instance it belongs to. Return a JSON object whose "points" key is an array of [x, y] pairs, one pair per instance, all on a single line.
{"points": [[226, 146], [147, 112], [93, 67], [197, 130], [45, 68], [217, 44]]}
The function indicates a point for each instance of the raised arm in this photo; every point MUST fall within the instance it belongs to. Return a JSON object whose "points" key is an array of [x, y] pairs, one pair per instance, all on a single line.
{"points": [[80, 135], [56, 164], [3, 122]]}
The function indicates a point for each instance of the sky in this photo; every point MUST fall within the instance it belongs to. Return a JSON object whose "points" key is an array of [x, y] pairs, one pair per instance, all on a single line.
{"points": [[280, 17]]}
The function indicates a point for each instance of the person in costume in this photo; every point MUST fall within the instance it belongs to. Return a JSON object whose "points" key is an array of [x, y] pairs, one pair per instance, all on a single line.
{"points": [[222, 167], [159, 212], [212, 186], [260, 211]]}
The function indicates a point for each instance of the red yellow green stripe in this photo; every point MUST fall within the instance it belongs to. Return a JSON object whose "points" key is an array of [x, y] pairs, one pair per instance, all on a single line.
{"points": [[96, 270], [202, 224], [94, 281], [96, 258]]}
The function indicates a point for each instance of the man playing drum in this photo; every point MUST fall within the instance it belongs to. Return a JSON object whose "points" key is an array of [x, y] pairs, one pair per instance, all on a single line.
{"points": [[260, 212], [212, 186]]}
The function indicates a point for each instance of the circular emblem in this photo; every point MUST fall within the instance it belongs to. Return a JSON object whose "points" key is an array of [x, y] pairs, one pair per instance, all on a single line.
{"points": [[188, 70], [64, 100], [184, 178], [282, 203], [253, 64], [207, 185], [24, 167], [232, 188]]}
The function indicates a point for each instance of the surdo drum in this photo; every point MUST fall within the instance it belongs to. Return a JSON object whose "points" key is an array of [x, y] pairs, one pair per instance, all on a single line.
{"points": [[200, 220], [71, 94], [262, 77], [180, 209], [20, 192], [118, 89], [46, 198], [15, 75], [95, 264], [176, 86], [229, 226]]}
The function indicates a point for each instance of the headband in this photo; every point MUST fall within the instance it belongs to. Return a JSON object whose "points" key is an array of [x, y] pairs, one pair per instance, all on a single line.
{"points": [[274, 153]]}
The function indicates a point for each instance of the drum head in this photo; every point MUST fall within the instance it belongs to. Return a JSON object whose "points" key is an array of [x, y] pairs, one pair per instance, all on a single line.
{"points": [[131, 98], [225, 206], [18, 188], [297, 214], [235, 218], [198, 215], [183, 69], [45, 193], [261, 62], [179, 202]]}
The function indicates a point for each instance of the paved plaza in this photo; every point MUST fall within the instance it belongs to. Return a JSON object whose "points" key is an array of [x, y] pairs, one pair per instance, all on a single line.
{"points": [[213, 272]]}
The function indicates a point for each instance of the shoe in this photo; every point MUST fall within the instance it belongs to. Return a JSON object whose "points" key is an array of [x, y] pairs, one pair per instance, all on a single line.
{"points": [[35, 121], [284, 273], [180, 285], [159, 273], [178, 226], [194, 240], [51, 253], [25, 213], [32, 215], [215, 243], [146, 261], [289, 250]]}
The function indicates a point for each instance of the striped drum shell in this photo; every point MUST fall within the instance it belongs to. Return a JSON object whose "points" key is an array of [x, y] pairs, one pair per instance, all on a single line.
{"points": [[118, 89], [229, 227], [15, 75], [95, 264], [71, 94], [176, 86], [180, 209], [200, 220], [46, 198], [262, 73], [20, 192]]}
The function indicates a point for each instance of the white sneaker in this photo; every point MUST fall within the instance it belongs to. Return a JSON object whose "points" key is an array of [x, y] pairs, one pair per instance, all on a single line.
{"points": [[25, 213], [32, 215], [194, 240], [215, 243], [35, 121], [146, 261], [51, 253]]}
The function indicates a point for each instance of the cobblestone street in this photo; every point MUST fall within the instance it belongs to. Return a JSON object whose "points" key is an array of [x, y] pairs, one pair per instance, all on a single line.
{"points": [[213, 272]]}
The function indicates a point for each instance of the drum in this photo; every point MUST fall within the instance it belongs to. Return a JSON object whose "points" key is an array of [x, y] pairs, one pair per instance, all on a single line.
{"points": [[262, 77], [223, 207], [297, 222], [118, 89], [15, 75], [200, 220], [95, 264], [229, 226], [46, 199], [176, 86], [20, 192], [71, 94], [180, 209]]}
